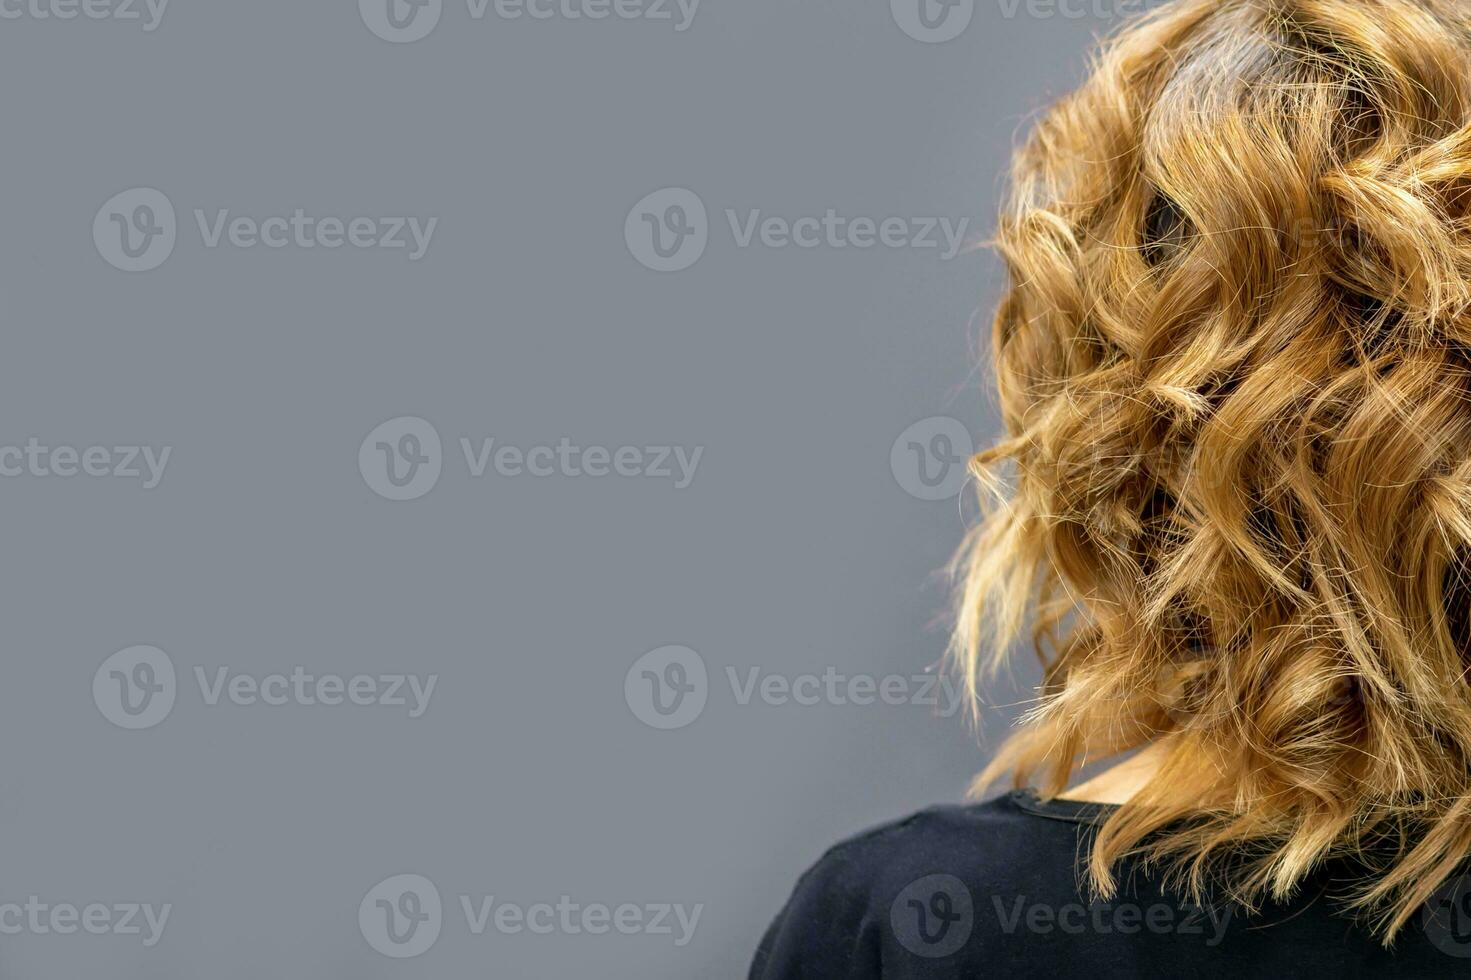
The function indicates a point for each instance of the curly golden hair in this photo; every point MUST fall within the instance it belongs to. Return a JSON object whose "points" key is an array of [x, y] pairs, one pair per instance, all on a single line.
{"points": [[1234, 492]]}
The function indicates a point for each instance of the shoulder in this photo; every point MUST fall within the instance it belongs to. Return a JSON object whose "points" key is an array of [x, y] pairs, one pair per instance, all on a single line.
{"points": [[903, 889], [975, 843]]}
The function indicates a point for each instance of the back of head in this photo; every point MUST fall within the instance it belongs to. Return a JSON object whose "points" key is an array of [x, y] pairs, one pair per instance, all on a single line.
{"points": [[1234, 493]]}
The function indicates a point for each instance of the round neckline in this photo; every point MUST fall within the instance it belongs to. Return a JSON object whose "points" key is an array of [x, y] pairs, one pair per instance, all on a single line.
{"points": [[1073, 811]]}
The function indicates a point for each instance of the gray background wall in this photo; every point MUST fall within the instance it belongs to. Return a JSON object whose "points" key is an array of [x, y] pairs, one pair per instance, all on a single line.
{"points": [[265, 546]]}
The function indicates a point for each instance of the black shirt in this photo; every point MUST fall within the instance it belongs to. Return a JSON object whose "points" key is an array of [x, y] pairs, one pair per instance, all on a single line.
{"points": [[993, 890]]}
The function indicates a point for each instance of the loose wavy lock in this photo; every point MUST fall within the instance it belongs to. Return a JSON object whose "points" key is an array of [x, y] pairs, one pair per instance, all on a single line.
{"points": [[1233, 497]]}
